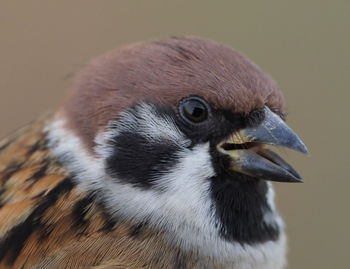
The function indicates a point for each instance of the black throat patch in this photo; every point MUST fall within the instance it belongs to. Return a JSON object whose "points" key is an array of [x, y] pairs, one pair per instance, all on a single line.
{"points": [[241, 205], [140, 162]]}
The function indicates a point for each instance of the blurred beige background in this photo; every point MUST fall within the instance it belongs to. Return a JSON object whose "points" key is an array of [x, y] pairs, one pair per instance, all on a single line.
{"points": [[305, 45]]}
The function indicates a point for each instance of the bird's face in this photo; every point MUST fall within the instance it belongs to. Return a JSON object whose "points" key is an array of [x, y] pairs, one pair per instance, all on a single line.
{"points": [[149, 140], [195, 149], [179, 134]]}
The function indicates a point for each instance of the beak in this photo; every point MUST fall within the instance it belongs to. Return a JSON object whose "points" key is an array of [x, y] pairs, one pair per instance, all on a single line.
{"points": [[249, 154]]}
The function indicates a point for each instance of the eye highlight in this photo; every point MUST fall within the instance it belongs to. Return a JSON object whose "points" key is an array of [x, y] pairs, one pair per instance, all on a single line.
{"points": [[194, 109]]}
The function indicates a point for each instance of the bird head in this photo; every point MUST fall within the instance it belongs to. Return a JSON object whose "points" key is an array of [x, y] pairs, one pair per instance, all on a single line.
{"points": [[177, 134]]}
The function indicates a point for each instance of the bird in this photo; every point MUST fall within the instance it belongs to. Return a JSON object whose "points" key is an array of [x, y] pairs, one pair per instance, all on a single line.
{"points": [[162, 155]]}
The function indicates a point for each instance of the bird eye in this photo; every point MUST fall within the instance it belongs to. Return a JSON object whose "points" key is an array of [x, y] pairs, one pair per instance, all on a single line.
{"points": [[194, 110]]}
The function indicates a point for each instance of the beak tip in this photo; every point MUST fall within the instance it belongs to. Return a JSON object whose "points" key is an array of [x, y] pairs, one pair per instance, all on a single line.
{"points": [[299, 180], [305, 151], [300, 146], [292, 179]]}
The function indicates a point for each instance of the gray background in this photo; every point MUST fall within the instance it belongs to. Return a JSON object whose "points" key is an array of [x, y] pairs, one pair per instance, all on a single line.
{"points": [[303, 44]]}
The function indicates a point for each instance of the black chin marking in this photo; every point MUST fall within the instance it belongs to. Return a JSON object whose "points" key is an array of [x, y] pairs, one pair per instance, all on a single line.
{"points": [[141, 162], [240, 205]]}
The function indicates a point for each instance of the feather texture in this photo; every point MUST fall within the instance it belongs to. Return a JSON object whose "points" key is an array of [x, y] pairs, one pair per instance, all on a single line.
{"points": [[46, 222]]}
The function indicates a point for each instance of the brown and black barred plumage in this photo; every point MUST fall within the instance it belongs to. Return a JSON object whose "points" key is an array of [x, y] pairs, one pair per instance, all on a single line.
{"points": [[46, 222]]}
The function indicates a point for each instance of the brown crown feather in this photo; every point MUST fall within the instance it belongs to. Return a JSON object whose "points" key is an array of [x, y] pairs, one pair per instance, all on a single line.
{"points": [[165, 71]]}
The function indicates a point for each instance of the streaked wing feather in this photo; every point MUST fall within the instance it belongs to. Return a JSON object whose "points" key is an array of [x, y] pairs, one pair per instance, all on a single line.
{"points": [[46, 222], [39, 203]]}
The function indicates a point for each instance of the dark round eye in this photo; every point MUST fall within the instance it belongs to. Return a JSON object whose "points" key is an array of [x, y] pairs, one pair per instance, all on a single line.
{"points": [[194, 110]]}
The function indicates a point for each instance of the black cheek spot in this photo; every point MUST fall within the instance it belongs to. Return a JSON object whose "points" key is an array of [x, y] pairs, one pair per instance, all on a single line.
{"points": [[139, 161]]}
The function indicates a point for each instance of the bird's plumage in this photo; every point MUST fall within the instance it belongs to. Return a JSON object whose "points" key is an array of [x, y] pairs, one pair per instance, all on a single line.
{"points": [[46, 222], [145, 166]]}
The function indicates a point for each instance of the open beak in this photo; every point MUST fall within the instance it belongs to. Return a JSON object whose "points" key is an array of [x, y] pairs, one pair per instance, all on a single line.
{"points": [[249, 154]]}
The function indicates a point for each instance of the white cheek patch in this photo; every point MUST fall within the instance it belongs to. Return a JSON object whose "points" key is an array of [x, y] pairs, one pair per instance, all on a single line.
{"points": [[151, 125], [183, 210]]}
